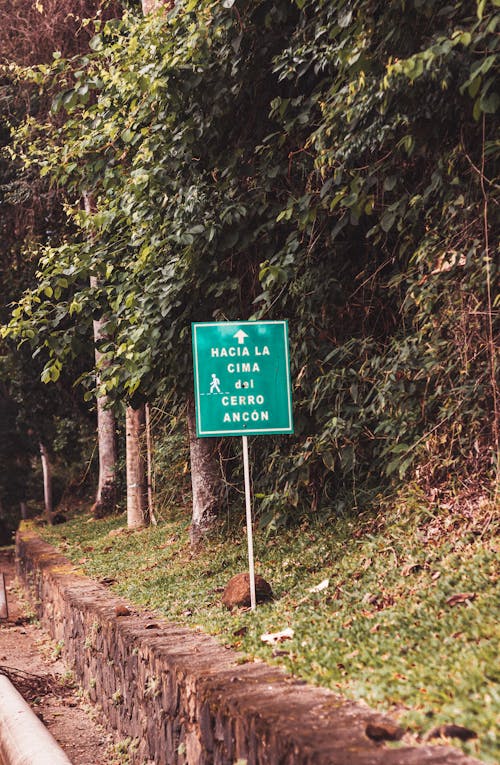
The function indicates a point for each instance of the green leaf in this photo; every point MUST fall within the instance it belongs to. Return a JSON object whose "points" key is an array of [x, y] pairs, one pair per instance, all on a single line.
{"points": [[96, 43], [387, 220], [344, 17], [328, 460], [489, 104], [390, 182], [127, 135]]}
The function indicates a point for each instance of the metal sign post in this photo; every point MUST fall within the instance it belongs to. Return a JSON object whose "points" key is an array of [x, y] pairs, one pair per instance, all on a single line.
{"points": [[242, 387], [248, 505]]}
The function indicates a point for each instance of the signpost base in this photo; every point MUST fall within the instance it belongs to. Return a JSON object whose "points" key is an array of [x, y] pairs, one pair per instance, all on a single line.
{"points": [[248, 503]]}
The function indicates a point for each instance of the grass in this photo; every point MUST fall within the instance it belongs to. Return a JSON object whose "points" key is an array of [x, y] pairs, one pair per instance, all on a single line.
{"points": [[408, 621]]}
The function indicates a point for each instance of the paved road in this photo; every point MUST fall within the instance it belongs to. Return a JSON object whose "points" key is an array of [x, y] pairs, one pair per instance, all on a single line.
{"points": [[42, 678]]}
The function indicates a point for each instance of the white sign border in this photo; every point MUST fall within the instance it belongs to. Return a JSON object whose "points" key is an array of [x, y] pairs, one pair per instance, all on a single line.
{"points": [[242, 431]]}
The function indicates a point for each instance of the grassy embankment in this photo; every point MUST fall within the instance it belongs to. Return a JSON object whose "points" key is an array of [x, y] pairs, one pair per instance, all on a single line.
{"points": [[408, 621]]}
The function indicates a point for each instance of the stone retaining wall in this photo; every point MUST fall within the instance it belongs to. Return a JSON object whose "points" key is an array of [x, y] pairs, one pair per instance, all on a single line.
{"points": [[183, 698]]}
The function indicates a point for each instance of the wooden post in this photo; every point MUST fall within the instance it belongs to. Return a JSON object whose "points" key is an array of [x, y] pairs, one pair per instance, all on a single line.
{"points": [[47, 481], [4, 608]]}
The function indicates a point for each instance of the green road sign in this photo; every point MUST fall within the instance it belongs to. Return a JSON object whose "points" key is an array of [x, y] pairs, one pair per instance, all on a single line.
{"points": [[242, 378]]}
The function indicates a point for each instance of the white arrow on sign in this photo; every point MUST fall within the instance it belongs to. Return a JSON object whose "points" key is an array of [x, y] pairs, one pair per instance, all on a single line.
{"points": [[241, 336]]}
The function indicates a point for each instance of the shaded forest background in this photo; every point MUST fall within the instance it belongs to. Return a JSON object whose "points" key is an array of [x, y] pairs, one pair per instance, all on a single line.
{"points": [[332, 163]]}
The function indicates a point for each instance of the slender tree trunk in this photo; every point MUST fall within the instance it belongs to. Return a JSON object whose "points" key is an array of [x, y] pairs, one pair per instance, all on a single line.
{"points": [[206, 480], [105, 501], [206, 474], [24, 510], [137, 492], [47, 482], [149, 453], [138, 510]]}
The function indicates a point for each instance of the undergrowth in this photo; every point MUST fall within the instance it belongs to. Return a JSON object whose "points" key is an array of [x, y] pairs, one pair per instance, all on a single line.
{"points": [[408, 621]]}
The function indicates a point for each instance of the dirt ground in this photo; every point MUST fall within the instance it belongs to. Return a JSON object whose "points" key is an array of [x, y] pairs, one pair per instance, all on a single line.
{"points": [[31, 661]]}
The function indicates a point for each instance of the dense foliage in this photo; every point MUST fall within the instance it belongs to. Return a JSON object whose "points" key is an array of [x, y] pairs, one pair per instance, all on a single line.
{"points": [[328, 162], [32, 215]]}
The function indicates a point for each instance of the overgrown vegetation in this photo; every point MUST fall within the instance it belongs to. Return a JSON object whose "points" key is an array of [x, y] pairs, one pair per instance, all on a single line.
{"points": [[408, 620], [331, 163], [31, 215]]}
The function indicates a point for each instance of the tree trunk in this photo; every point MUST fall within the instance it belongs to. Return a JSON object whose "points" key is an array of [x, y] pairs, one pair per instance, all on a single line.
{"points": [[47, 482], [137, 493], [105, 501], [206, 480], [138, 508], [149, 462]]}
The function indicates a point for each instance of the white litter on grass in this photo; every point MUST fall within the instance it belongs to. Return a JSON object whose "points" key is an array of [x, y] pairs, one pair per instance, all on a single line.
{"points": [[321, 586], [277, 637]]}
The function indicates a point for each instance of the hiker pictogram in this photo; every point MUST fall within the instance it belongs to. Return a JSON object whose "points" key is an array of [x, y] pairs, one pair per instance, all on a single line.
{"points": [[215, 384]]}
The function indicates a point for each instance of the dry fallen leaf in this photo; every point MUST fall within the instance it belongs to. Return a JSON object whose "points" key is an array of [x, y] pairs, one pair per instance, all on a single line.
{"points": [[321, 586], [107, 581], [452, 731], [242, 631], [277, 637], [411, 568], [460, 597], [384, 731], [443, 265]]}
